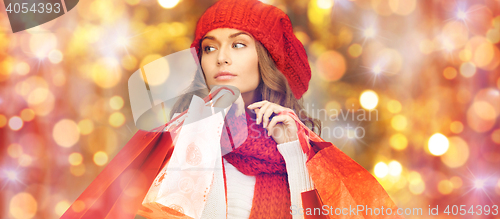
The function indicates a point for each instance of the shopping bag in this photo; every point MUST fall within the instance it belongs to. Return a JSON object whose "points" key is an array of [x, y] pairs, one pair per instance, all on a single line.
{"points": [[182, 187]]}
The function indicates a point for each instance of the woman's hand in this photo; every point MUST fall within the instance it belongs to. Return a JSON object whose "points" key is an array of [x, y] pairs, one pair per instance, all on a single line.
{"points": [[282, 128]]}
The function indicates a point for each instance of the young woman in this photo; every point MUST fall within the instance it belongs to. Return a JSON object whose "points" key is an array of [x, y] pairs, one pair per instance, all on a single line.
{"points": [[250, 45]]}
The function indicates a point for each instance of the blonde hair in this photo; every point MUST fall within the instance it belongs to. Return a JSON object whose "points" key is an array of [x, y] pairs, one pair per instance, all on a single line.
{"points": [[273, 88]]}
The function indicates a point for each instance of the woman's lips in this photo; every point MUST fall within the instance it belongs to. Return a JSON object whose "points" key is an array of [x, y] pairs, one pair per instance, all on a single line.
{"points": [[225, 77]]}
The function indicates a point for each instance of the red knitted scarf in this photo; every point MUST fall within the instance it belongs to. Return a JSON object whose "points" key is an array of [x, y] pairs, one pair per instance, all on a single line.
{"points": [[258, 156]]}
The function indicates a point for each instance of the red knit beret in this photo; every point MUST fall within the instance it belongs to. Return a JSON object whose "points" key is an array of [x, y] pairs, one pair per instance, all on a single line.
{"points": [[267, 24]]}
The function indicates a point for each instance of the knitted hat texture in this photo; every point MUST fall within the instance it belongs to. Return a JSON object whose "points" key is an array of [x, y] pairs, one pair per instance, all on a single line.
{"points": [[267, 24]]}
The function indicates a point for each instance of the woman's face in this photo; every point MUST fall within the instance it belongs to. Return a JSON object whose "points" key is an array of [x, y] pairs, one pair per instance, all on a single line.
{"points": [[229, 57]]}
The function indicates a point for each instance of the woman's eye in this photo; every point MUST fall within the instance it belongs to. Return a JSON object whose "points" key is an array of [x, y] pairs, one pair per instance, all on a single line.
{"points": [[207, 48], [242, 45]]}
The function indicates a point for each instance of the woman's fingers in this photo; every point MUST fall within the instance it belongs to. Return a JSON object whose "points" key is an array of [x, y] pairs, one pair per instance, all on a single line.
{"points": [[257, 104], [274, 121], [261, 112]]}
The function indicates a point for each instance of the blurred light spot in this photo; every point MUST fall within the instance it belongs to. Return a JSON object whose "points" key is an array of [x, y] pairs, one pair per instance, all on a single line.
{"points": [[85, 126], [399, 122], [116, 102], [352, 103], [476, 121], [3, 121], [457, 153], [495, 136], [38, 96], [100, 158], [461, 15], [414, 177], [445, 187], [355, 50], [449, 73], [59, 79], [11, 175], [484, 110], [75, 159], [493, 35], [416, 186], [402, 7], [78, 206], [27, 114], [116, 119], [77, 170], [168, 3], [377, 69], [325, 4], [42, 43], [426, 46], [55, 56], [23, 205], [25, 160], [395, 168], [465, 55], [438, 144], [456, 181], [106, 72], [61, 207], [483, 54], [333, 108], [15, 150], [129, 62], [381, 170], [15, 123], [22, 68], [369, 32], [454, 35], [456, 127], [467, 69], [369, 99], [398, 141], [479, 184], [331, 65], [394, 106], [66, 133]]}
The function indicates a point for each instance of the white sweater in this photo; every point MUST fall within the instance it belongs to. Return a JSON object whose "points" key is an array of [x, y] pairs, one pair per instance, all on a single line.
{"points": [[240, 187]]}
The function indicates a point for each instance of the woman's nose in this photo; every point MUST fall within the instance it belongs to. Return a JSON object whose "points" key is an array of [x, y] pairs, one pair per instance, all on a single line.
{"points": [[224, 57]]}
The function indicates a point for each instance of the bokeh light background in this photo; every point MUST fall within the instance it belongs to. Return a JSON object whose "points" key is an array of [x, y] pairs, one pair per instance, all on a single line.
{"points": [[429, 68]]}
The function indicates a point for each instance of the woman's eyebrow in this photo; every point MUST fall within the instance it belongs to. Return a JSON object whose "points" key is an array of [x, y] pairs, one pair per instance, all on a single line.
{"points": [[230, 36]]}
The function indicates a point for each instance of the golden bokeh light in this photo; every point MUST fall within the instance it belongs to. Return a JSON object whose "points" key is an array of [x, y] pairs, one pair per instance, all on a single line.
{"points": [[399, 122], [331, 65], [66, 133], [395, 168], [465, 55], [100, 158], [484, 110], [16, 123], [3, 121], [55, 56], [116, 102], [85, 126], [23, 205], [61, 207], [467, 69], [456, 127], [15, 150], [333, 108], [168, 3], [398, 141], [449, 73], [495, 136], [59, 79], [129, 62], [42, 43], [402, 7], [355, 50], [456, 181], [445, 187], [438, 144], [116, 119], [27, 114], [381, 169], [25, 160], [394, 106], [75, 159], [476, 121], [77, 170], [368, 99], [22, 68], [457, 153], [106, 72]]}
